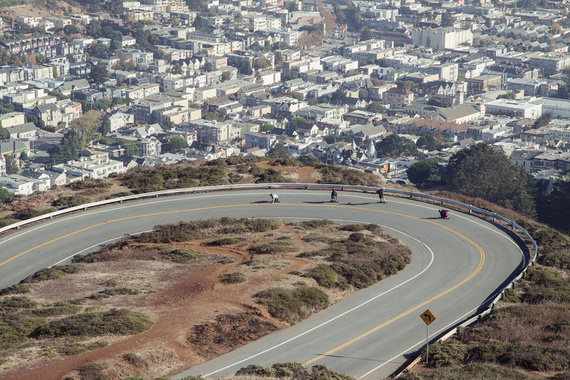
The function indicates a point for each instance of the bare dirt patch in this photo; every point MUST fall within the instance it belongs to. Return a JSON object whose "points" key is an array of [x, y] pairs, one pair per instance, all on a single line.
{"points": [[61, 8]]}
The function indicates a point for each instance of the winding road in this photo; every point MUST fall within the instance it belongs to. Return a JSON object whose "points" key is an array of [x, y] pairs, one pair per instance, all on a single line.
{"points": [[457, 265]]}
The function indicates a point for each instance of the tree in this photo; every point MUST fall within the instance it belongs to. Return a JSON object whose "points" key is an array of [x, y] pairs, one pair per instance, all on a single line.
{"points": [[279, 151], [267, 128], [438, 103], [553, 207], [5, 195], [509, 95], [406, 84], [198, 23], [278, 56], [4, 134], [375, 107], [105, 125], [99, 73], [70, 29], [98, 50], [366, 34], [481, 171], [11, 164], [447, 19], [294, 124], [396, 146], [425, 173], [226, 76], [175, 143], [556, 28], [131, 148], [427, 142], [542, 121], [261, 64]]}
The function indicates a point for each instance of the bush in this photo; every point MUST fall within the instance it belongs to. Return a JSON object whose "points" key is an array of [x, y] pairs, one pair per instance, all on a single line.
{"points": [[121, 322], [14, 332], [313, 224], [15, 289], [28, 213], [274, 247], [510, 295], [89, 184], [56, 310], [15, 303], [447, 354], [233, 278], [352, 227], [180, 256], [94, 371], [293, 305], [71, 201], [324, 275], [225, 241], [52, 273], [256, 370]]}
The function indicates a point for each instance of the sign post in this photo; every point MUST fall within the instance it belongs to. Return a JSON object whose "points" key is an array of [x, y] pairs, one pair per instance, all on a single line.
{"points": [[428, 318]]}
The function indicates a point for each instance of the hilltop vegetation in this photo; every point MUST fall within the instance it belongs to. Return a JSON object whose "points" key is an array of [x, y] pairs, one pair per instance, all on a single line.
{"points": [[527, 336], [217, 283]]}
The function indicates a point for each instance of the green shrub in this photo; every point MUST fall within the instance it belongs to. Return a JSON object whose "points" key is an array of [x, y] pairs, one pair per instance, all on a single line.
{"points": [[233, 278], [94, 371], [352, 227], [558, 259], [120, 292], [293, 305], [272, 176], [256, 370], [313, 224], [15, 289], [71, 201], [286, 162], [121, 322], [15, 303], [89, 184], [225, 241], [56, 310], [7, 221], [52, 273], [28, 213], [317, 237], [447, 354], [17, 331], [510, 295], [274, 247], [180, 256], [290, 370], [324, 275]]}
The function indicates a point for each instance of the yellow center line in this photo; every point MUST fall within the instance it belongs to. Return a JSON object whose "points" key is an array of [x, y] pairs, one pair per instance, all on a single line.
{"points": [[481, 262], [468, 278]]}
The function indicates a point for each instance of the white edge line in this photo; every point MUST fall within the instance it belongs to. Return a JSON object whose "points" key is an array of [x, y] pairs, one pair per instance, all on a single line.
{"points": [[334, 318], [417, 344]]}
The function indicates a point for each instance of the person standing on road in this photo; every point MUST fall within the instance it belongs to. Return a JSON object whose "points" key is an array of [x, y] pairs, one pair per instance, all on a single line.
{"points": [[334, 196], [380, 193], [274, 198]]}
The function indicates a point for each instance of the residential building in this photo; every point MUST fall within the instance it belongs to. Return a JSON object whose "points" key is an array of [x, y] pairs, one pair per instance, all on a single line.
{"points": [[398, 97]]}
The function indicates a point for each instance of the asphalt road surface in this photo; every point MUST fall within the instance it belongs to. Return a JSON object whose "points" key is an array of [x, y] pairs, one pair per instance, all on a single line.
{"points": [[457, 264]]}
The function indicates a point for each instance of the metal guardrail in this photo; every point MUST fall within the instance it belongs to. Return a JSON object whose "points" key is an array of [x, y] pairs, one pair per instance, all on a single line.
{"points": [[485, 308]]}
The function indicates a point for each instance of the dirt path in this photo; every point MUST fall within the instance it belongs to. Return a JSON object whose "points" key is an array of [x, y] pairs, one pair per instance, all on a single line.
{"points": [[195, 297]]}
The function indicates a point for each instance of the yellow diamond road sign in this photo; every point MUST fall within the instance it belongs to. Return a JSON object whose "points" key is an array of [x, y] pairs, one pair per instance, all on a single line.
{"points": [[428, 317]]}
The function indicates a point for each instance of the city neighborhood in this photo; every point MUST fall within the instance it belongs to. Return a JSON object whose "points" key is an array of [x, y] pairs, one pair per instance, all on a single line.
{"points": [[169, 80]]}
